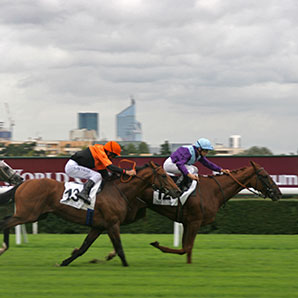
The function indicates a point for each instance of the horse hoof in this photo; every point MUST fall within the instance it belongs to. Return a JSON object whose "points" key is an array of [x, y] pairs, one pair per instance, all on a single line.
{"points": [[3, 249], [96, 261], [63, 264], [155, 244], [111, 256]]}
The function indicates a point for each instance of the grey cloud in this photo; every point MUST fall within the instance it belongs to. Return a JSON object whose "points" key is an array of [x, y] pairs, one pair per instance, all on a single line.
{"points": [[207, 57], [22, 12]]}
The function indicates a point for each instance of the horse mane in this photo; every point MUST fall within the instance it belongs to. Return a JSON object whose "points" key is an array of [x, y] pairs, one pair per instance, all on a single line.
{"points": [[112, 177], [235, 171], [116, 176], [143, 167]]}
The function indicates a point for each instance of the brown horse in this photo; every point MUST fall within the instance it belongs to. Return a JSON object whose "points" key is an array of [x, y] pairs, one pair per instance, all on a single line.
{"points": [[116, 204], [211, 193]]}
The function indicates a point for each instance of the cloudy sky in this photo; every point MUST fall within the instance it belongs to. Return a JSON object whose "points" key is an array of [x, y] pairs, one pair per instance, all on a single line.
{"points": [[205, 68]]}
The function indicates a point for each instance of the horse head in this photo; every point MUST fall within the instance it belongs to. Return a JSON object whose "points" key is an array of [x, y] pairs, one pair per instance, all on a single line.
{"points": [[265, 184], [162, 181], [7, 174]]}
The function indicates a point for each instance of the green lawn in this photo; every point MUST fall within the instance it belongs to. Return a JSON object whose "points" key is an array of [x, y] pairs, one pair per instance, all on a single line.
{"points": [[223, 266]]}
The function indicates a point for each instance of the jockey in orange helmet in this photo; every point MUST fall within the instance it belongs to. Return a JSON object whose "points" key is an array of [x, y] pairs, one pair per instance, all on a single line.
{"points": [[92, 164]]}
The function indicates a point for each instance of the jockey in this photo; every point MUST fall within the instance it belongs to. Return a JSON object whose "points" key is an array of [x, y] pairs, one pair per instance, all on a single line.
{"points": [[92, 164], [181, 161]]}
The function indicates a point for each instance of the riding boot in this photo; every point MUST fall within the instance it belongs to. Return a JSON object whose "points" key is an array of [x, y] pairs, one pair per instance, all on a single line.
{"points": [[179, 180], [183, 184], [84, 194]]}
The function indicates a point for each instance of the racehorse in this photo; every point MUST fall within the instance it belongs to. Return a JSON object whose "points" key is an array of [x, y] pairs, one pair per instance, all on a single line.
{"points": [[211, 193], [115, 205]]}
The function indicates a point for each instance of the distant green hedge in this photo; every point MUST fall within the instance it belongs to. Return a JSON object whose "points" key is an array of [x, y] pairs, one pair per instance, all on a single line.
{"points": [[238, 217], [256, 217]]}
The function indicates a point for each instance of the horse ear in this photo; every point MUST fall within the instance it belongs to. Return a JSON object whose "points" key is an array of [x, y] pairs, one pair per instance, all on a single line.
{"points": [[253, 164], [152, 164]]}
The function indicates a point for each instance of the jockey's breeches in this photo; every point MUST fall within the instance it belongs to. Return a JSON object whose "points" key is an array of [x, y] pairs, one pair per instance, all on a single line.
{"points": [[74, 170], [173, 170]]}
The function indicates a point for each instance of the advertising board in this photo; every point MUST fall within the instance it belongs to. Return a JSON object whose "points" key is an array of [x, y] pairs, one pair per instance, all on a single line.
{"points": [[283, 169]]}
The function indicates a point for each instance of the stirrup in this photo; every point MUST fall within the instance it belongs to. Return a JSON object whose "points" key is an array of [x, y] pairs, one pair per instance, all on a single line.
{"points": [[81, 197], [86, 201]]}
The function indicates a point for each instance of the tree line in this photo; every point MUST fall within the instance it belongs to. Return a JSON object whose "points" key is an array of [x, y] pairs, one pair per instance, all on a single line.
{"points": [[29, 149]]}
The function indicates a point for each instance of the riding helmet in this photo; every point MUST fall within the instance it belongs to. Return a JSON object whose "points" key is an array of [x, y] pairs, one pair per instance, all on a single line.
{"points": [[204, 144], [113, 147]]}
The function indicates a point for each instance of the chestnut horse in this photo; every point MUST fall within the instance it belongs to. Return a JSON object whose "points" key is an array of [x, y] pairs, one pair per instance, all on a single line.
{"points": [[211, 193], [116, 204]]}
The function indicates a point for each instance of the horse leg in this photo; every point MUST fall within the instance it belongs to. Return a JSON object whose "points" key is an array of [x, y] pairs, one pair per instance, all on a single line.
{"points": [[91, 237], [5, 244], [8, 222], [168, 249], [189, 235], [114, 234]]}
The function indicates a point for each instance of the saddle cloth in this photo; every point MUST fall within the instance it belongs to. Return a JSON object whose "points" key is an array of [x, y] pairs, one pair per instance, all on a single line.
{"points": [[166, 200], [69, 197], [4, 189]]}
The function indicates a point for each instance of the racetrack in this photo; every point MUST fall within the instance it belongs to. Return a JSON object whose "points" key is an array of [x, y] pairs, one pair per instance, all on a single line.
{"points": [[223, 266]]}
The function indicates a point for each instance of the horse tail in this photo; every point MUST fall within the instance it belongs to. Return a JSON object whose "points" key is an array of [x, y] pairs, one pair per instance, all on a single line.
{"points": [[8, 196]]}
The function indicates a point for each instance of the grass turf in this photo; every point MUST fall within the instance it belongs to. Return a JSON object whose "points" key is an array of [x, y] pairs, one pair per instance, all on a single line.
{"points": [[223, 266]]}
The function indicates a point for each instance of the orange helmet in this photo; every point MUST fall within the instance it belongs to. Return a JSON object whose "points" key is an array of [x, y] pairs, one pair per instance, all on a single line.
{"points": [[113, 147]]}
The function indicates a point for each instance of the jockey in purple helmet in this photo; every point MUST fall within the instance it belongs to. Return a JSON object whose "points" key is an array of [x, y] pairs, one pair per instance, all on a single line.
{"points": [[181, 161]]}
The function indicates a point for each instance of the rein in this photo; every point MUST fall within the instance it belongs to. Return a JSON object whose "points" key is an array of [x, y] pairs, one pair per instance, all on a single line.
{"points": [[244, 186], [133, 167], [222, 192], [161, 188], [153, 185]]}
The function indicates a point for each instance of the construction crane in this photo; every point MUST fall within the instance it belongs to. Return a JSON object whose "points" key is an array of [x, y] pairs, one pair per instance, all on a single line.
{"points": [[11, 121]]}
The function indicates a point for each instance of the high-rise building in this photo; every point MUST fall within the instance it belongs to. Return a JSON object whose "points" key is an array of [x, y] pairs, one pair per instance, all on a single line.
{"points": [[128, 129], [235, 141], [5, 133], [88, 121]]}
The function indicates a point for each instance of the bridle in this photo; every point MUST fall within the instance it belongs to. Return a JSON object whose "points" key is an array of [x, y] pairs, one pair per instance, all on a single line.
{"points": [[9, 175], [269, 192], [159, 177], [155, 176]]}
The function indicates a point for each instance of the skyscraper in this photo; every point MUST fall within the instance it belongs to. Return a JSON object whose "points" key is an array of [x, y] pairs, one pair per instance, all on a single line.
{"points": [[5, 133], [128, 129], [89, 121]]}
